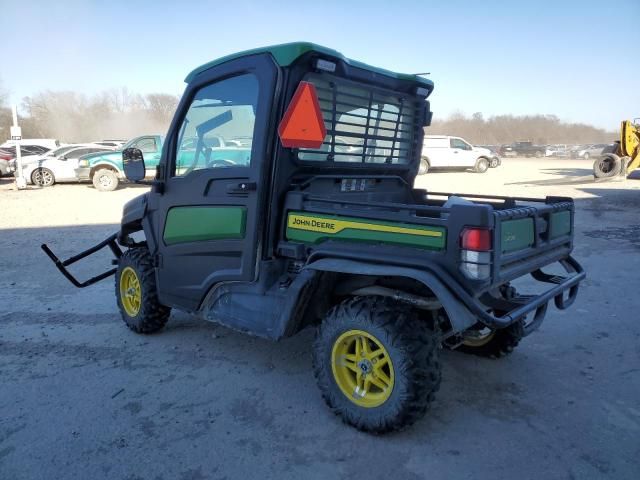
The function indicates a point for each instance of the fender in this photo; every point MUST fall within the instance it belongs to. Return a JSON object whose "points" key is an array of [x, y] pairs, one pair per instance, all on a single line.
{"points": [[133, 217], [106, 163], [459, 316]]}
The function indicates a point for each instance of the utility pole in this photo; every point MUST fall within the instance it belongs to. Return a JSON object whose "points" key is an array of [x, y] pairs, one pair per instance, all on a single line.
{"points": [[16, 134]]}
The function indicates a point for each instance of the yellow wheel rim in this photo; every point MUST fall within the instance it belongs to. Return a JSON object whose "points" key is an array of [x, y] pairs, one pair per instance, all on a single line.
{"points": [[130, 292], [480, 340], [362, 368]]}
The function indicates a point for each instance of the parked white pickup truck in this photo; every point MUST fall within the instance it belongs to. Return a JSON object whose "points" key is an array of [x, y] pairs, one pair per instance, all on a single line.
{"points": [[444, 151]]}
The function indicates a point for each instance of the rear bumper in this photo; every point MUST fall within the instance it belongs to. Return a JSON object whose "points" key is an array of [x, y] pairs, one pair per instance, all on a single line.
{"points": [[521, 306]]}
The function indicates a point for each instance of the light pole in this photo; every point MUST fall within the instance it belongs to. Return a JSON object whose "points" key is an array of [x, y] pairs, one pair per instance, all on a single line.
{"points": [[16, 134]]}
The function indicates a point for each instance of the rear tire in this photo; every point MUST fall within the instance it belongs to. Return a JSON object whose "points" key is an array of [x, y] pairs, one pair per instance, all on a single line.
{"points": [[494, 163], [538, 154], [137, 293], [482, 165], [586, 156], [105, 180], [43, 177], [495, 343], [376, 363], [608, 166]]}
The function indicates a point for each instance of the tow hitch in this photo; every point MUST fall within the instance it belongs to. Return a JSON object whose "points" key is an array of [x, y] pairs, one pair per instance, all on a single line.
{"points": [[62, 264]]}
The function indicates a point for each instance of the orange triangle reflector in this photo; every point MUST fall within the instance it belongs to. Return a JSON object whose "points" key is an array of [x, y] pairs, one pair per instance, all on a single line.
{"points": [[303, 125]]}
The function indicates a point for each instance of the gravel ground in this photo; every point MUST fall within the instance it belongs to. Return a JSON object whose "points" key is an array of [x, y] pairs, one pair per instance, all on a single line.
{"points": [[82, 397]]}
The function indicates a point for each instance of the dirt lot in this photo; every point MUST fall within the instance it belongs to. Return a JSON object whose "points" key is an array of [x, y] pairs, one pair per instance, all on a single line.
{"points": [[82, 397]]}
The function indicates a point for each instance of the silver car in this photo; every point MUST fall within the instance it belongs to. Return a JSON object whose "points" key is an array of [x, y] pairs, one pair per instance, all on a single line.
{"points": [[590, 151], [59, 165]]}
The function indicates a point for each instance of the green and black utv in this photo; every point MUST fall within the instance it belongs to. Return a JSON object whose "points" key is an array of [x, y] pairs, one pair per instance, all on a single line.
{"points": [[284, 199]]}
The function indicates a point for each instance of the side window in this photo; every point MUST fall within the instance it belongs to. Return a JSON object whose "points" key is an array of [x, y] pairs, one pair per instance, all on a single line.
{"points": [[457, 143], [217, 131], [32, 150], [77, 153], [147, 145]]}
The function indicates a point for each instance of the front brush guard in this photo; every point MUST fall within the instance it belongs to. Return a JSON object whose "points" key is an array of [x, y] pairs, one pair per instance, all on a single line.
{"points": [[62, 264]]}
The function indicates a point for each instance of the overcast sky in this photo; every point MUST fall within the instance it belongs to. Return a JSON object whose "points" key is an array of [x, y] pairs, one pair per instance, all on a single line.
{"points": [[550, 57]]}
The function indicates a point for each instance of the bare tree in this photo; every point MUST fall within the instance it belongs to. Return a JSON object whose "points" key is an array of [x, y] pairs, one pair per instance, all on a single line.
{"points": [[162, 106], [505, 129], [115, 113]]}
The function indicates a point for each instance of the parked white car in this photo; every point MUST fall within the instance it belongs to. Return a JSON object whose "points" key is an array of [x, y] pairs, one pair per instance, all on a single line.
{"points": [[58, 165], [444, 151], [48, 143]]}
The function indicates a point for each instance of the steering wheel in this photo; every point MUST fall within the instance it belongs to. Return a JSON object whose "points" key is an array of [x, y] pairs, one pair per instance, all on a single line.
{"points": [[220, 162]]}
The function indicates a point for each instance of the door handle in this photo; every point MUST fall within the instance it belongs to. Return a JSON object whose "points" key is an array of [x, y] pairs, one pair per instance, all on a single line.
{"points": [[242, 187]]}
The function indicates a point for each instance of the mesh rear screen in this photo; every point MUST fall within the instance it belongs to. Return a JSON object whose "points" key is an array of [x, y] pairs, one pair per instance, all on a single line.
{"points": [[364, 124]]}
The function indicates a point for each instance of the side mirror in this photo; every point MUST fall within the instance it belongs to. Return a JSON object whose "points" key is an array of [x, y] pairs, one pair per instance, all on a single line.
{"points": [[133, 162]]}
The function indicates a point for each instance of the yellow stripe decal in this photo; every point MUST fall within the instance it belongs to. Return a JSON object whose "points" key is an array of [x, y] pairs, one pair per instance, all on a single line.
{"points": [[333, 226]]}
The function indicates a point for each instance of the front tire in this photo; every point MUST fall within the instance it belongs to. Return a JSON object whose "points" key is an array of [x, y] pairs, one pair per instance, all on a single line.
{"points": [[376, 363], [43, 177], [137, 293], [105, 180], [482, 165], [538, 154], [494, 343], [586, 156]]}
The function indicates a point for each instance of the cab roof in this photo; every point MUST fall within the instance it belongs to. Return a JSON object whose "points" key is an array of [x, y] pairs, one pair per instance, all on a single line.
{"points": [[286, 53]]}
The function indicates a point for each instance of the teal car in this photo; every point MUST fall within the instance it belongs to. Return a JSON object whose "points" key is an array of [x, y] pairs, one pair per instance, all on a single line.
{"points": [[105, 170]]}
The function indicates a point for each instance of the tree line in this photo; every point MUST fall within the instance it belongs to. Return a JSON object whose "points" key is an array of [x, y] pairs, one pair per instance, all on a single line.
{"points": [[118, 113], [74, 117], [506, 129]]}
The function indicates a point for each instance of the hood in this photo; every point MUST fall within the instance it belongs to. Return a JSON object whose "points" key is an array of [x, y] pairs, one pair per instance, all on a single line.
{"points": [[483, 151], [112, 156]]}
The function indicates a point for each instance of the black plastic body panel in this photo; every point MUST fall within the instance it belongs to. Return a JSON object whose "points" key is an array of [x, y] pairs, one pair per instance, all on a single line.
{"points": [[133, 213]]}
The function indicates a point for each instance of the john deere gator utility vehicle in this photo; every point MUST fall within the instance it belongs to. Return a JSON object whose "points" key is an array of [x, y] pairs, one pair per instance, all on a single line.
{"points": [[307, 217]]}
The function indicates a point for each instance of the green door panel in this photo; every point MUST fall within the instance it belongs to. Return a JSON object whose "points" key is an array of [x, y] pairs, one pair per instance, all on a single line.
{"points": [[517, 234], [196, 224], [314, 228]]}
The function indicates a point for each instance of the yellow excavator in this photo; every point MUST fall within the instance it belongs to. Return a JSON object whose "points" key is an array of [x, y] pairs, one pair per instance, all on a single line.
{"points": [[624, 156]]}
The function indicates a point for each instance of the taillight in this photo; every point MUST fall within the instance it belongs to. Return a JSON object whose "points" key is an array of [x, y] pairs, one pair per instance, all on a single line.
{"points": [[478, 239], [475, 253]]}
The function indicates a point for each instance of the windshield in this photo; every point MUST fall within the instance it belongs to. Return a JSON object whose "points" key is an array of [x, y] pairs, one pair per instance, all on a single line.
{"points": [[59, 151], [129, 143], [134, 141]]}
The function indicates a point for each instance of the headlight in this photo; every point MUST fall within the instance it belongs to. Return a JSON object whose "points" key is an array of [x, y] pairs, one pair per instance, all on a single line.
{"points": [[83, 163]]}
